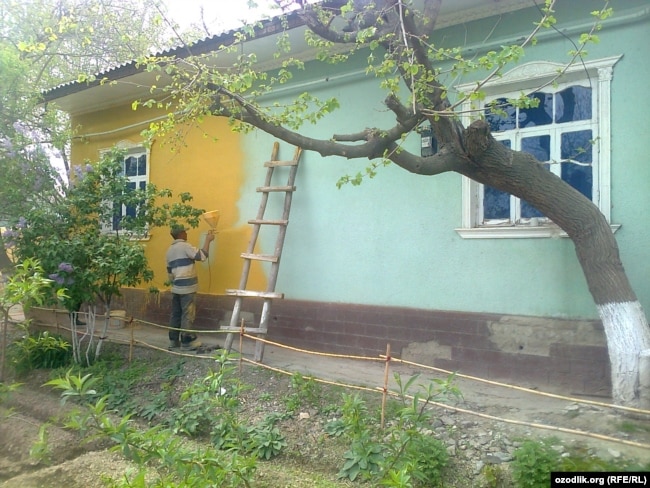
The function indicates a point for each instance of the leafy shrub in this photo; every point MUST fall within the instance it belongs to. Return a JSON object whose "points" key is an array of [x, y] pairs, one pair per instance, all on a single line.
{"points": [[533, 463], [428, 456], [45, 351], [364, 458], [265, 442], [405, 453]]}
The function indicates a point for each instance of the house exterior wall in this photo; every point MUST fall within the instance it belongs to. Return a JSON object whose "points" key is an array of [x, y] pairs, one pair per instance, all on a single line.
{"points": [[382, 262], [392, 241], [212, 171]]}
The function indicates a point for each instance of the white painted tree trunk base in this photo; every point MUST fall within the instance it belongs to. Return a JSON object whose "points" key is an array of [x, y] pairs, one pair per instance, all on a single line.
{"points": [[628, 336], [644, 379]]}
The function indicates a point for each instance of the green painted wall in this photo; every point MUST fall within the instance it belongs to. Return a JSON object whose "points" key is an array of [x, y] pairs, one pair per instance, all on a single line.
{"points": [[391, 241]]}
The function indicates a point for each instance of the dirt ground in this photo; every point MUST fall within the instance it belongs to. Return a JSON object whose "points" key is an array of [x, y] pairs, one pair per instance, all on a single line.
{"points": [[486, 411]]}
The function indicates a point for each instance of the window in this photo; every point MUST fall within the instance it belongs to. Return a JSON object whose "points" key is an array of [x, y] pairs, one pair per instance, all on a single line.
{"points": [[569, 131], [136, 168]]}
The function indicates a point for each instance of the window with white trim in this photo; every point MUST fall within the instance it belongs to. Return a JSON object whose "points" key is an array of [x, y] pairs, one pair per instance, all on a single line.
{"points": [[135, 166], [569, 131]]}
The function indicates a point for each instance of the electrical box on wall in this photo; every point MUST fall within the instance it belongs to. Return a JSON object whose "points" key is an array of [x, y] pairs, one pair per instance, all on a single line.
{"points": [[429, 143]]}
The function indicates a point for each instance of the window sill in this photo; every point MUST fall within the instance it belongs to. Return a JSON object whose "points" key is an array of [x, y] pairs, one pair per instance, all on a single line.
{"points": [[129, 236], [519, 232]]}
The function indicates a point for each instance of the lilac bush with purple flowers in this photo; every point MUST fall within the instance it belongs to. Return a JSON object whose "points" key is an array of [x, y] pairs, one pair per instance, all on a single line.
{"points": [[67, 236]]}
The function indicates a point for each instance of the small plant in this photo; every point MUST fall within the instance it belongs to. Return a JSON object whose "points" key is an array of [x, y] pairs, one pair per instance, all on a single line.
{"points": [[43, 351], [533, 463], [218, 393], [195, 414], [363, 458], [411, 443], [398, 479], [495, 476], [265, 397], [355, 415], [155, 407], [305, 392], [40, 450], [74, 386], [330, 409], [630, 427], [265, 440], [162, 458], [335, 428], [28, 286], [228, 434], [581, 458], [6, 390], [405, 454]]}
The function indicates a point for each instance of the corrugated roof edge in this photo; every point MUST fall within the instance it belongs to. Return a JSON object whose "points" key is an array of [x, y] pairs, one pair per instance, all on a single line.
{"points": [[268, 27]]}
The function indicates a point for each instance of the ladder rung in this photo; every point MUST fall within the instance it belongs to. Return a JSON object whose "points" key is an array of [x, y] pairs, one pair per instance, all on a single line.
{"points": [[248, 293], [272, 164], [250, 330], [267, 189], [260, 257], [268, 222]]}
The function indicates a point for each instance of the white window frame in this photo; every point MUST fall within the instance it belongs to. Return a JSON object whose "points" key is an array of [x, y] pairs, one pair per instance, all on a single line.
{"points": [[529, 77], [130, 149]]}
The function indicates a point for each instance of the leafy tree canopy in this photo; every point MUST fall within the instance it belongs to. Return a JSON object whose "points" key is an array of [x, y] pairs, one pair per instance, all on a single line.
{"points": [[44, 43]]}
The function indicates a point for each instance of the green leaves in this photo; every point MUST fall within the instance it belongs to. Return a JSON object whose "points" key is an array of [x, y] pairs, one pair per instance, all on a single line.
{"points": [[364, 458], [67, 237], [74, 386], [533, 463], [27, 286], [404, 453], [43, 351], [265, 441]]}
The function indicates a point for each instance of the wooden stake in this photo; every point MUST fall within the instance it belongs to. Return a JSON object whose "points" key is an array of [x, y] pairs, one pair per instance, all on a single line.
{"points": [[241, 344], [385, 392], [131, 343]]}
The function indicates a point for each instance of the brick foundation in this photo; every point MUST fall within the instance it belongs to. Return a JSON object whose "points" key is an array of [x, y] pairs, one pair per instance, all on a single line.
{"points": [[553, 355]]}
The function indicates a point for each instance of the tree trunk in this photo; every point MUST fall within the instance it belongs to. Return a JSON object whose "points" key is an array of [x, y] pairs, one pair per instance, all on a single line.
{"points": [[6, 266], [623, 318]]}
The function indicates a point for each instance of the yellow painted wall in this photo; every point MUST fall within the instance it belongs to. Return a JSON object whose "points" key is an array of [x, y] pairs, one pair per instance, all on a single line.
{"points": [[212, 171]]}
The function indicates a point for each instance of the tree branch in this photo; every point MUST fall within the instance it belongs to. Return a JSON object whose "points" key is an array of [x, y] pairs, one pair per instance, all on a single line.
{"points": [[443, 161], [382, 18], [378, 141]]}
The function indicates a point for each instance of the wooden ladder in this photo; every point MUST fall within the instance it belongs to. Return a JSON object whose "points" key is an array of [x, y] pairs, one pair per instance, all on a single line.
{"points": [[249, 256]]}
